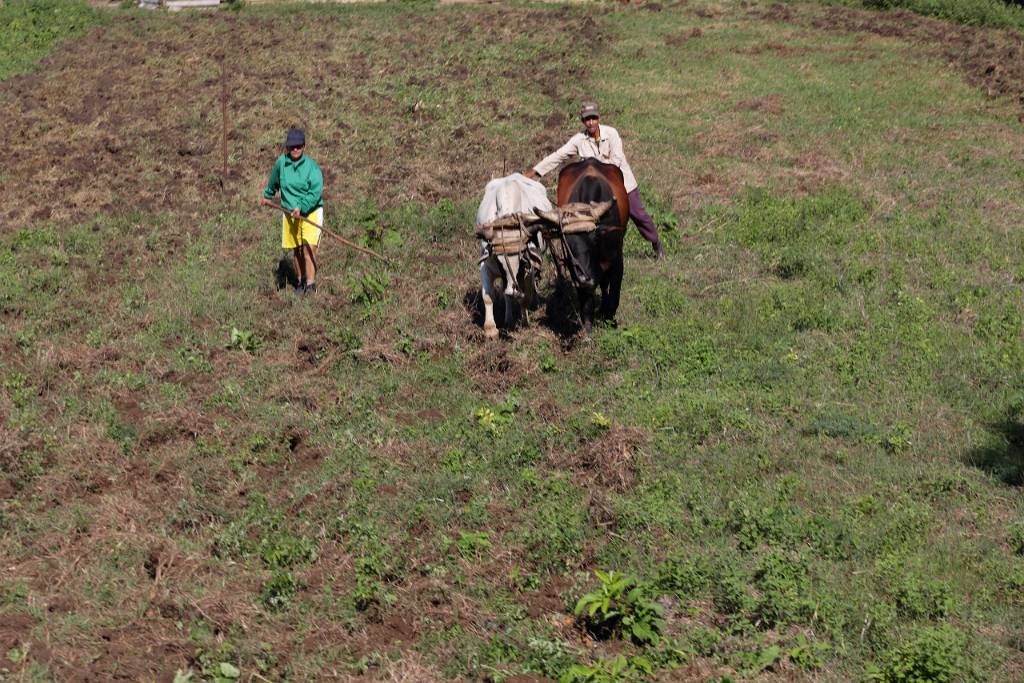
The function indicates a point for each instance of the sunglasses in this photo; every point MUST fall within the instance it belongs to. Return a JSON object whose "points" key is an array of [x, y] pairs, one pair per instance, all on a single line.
{"points": [[590, 118]]}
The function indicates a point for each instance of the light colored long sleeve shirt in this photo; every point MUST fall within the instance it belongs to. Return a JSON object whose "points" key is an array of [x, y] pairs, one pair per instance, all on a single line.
{"points": [[607, 149]]}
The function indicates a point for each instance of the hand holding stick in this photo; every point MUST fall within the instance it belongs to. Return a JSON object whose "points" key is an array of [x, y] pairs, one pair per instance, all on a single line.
{"points": [[267, 202]]}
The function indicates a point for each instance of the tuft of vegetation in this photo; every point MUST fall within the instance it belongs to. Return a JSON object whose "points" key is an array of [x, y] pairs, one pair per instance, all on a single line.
{"points": [[621, 608], [991, 13]]}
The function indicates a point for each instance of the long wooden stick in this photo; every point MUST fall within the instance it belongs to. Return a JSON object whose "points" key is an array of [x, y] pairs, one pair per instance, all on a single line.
{"points": [[224, 120], [332, 234]]}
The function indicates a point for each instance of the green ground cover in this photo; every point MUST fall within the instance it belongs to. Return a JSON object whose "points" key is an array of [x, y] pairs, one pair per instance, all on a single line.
{"points": [[992, 13], [30, 28], [801, 447]]}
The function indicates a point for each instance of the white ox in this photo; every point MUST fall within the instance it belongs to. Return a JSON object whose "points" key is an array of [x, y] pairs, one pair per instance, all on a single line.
{"points": [[507, 196]]}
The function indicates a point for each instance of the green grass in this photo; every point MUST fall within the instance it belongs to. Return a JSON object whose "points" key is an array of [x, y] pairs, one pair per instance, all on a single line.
{"points": [[802, 440], [31, 28], [991, 13]]}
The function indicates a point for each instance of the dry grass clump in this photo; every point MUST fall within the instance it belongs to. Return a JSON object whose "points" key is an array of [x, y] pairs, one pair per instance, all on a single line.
{"points": [[612, 460]]}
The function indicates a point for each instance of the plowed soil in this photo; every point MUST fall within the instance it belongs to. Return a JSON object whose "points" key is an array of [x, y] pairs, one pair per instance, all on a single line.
{"points": [[129, 117]]}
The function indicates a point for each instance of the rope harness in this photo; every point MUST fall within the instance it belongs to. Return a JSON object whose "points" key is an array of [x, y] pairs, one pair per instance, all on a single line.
{"points": [[510, 235]]}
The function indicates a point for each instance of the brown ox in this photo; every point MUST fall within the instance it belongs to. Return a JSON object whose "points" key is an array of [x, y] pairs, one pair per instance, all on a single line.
{"points": [[591, 257]]}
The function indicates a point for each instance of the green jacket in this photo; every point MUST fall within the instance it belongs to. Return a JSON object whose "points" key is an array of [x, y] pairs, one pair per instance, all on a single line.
{"points": [[301, 183]]}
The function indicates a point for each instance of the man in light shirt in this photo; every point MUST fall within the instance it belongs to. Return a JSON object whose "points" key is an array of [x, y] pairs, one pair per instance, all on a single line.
{"points": [[604, 144]]}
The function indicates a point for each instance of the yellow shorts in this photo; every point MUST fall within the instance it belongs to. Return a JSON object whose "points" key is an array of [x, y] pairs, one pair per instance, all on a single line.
{"points": [[295, 231]]}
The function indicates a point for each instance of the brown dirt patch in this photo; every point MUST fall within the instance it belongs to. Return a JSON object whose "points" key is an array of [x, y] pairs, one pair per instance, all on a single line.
{"points": [[682, 38], [549, 599], [395, 628], [493, 369], [610, 461], [14, 630], [772, 104], [121, 122], [427, 415]]}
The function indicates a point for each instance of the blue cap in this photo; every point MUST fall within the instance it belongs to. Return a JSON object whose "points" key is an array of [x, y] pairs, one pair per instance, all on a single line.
{"points": [[296, 138]]}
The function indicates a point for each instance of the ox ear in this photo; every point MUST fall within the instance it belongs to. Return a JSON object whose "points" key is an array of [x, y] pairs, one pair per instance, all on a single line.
{"points": [[599, 209], [550, 216]]}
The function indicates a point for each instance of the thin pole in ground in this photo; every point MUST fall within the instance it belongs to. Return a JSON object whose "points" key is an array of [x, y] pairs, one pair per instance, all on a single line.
{"points": [[224, 120]]}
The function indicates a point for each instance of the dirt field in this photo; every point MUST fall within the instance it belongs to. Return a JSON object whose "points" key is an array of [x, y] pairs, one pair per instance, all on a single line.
{"points": [[129, 117], [127, 121]]}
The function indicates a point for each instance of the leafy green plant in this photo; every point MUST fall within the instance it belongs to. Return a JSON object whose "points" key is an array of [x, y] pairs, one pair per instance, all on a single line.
{"points": [[753, 663], [495, 420], [683, 577], [920, 598], [277, 592], [227, 673], [1016, 537], [370, 287], [934, 654], [784, 590], [620, 607], [244, 340], [806, 654], [995, 13], [281, 551], [548, 363], [898, 440], [616, 670], [472, 544]]}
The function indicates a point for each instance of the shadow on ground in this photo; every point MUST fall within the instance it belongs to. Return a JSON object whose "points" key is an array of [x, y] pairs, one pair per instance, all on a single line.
{"points": [[285, 274], [1003, 456], [557, 302]]}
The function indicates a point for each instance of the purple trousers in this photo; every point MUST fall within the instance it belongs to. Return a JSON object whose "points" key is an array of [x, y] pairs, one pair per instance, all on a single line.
{"points": [[641, 218]]}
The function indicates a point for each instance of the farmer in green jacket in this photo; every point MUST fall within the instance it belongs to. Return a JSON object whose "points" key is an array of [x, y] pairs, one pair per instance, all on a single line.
{"points": [[301, 184]]}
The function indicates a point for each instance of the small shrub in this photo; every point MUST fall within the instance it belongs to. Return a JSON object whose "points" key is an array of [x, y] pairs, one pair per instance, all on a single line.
{"points": [[1017, 537], [370, 287], [934, 654], [683, 578], [920, 598], [621, 607], [278, 590], [807, 655]]}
